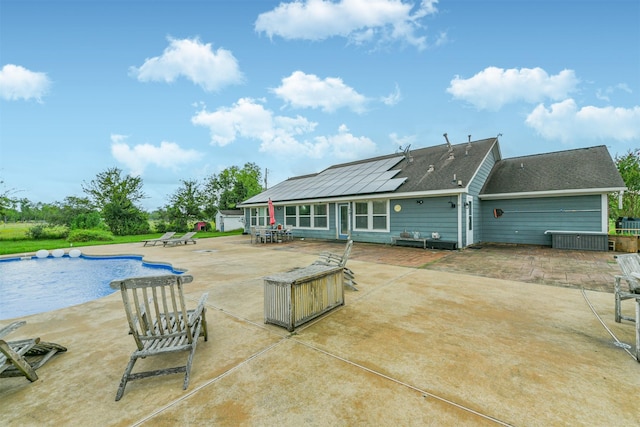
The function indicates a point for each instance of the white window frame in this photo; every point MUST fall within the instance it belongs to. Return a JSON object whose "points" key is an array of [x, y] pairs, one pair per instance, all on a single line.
{"points": [[312, 216], [259, 217], [370, 215]]}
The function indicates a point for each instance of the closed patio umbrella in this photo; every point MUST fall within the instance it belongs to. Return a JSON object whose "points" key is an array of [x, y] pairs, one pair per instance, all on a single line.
{"points": [[272, 213]]}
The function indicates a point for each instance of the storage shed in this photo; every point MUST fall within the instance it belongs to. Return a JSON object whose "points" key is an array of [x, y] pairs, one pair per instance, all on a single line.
{"points": [[229, 219]]}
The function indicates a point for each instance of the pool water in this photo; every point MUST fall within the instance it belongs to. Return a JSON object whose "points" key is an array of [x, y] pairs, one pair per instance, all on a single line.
{"points": [[37, 285]]}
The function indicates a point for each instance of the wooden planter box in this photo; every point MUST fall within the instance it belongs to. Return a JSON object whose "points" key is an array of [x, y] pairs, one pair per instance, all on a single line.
{"points": [[298, 296], [625, 243]]}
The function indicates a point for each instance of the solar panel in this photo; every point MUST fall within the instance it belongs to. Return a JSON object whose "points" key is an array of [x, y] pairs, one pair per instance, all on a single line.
{"points": [[369, 177]]}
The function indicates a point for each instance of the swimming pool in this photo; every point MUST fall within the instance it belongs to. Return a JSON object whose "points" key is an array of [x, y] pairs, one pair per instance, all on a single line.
{"points": [[33, 285]]}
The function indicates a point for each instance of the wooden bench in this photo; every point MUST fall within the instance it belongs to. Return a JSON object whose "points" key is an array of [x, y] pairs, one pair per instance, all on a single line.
{"points": [[424, 242], [409, 241]]}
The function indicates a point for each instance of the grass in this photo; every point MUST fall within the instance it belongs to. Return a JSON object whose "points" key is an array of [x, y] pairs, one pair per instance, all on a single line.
{"points": [[12, 240]]}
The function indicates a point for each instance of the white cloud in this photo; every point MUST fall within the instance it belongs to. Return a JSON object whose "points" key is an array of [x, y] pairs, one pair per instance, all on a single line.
{"points": [[494, 87], [246, 119], [343, 145], [249, 119], [402, 141], [302, 90], [393, 98], [566, 122], [167, 155], [359, 20], [17, 82], [193, 60], [603, 94]]}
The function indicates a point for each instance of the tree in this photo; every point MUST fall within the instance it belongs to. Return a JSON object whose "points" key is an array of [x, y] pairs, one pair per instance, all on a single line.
{"points": [[186, 205], [116, 196], [7, 203], [67, 211], [629, 168], [232, 186]]}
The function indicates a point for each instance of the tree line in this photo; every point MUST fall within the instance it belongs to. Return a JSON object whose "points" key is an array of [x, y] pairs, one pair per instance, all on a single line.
{"points": [[112, 200]]}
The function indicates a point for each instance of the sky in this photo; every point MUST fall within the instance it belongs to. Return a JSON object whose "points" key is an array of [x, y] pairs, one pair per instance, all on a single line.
{"points": [[175, 90]]}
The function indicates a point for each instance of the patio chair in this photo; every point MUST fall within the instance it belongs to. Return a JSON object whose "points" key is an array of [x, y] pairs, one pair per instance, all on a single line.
{"points": [[254, 235], [288, 234], [23, 357], [630, 266], [264, 235], [166, 236], [183, 240], [329, 258], [160, 323]]}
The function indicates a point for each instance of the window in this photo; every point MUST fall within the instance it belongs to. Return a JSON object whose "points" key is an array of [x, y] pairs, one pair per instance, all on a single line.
{"points": [[371, 215], [320, 216], [307, 216], [304, 216], [290, 216], [259, 217]]}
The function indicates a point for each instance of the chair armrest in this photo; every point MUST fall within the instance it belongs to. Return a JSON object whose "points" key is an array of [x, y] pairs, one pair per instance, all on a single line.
{"points": [[11, 327], [195, 314]]}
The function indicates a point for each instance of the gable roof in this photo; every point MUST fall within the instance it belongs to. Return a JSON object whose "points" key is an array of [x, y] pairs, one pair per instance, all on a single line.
{"points": [[231, 212], [395, 173], [583, 170]]}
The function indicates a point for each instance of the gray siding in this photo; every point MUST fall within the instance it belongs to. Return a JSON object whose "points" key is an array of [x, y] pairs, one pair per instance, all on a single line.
{"points": [[435, 214], [474, 190], [526, 220]]}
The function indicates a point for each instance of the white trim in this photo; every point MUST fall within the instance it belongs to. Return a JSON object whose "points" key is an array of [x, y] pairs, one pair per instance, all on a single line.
{"points": [[555, 193], [355, 198], [604, 213]]}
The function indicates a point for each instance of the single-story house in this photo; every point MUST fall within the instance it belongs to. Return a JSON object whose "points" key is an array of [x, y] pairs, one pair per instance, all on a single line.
{"points": [[230, 219], [453, 195]]}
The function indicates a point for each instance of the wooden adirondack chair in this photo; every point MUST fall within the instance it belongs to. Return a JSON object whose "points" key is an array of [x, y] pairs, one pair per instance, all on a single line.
{"points": [[23, 357], [630, 266], [160, 322], [329, 258]]}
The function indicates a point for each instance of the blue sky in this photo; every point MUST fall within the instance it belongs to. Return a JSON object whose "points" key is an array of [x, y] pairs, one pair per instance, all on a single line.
{"points": [[176, 90]]}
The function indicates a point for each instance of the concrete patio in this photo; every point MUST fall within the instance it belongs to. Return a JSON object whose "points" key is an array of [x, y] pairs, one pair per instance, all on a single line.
{"points": [[491, 336]]}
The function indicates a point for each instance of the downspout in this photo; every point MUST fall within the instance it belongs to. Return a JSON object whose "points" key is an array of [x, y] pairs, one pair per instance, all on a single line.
{"points": [[460, 218]]}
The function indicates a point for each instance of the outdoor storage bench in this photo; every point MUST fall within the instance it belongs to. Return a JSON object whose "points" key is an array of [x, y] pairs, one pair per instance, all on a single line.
{"points": [[300, 295]]}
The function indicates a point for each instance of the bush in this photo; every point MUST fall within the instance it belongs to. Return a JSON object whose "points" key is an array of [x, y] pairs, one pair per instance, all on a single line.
{"points": [[87, 221], [90, 235], [44, 232], [161, 227]]}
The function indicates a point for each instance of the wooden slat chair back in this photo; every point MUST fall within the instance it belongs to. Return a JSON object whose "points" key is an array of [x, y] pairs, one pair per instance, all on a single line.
{"points": [[630, 266], [23, 357], [160, 322], [329, 258]]}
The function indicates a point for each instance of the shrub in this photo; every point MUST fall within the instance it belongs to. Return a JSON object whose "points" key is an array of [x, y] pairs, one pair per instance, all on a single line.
{"points": [[44, 232], [161, 227], [89, 235], [87, 221]]}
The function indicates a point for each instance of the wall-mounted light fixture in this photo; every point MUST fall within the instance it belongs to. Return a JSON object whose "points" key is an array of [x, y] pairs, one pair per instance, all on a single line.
{"points": [[453, 205], [420, 202], [279, 208]]}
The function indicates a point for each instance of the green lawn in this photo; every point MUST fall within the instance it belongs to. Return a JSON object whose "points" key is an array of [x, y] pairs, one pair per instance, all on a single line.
{"points": [[13, 241]]}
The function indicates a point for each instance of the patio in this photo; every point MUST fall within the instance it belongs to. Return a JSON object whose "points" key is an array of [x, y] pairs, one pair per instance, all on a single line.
{"points": [[430, 338]]}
